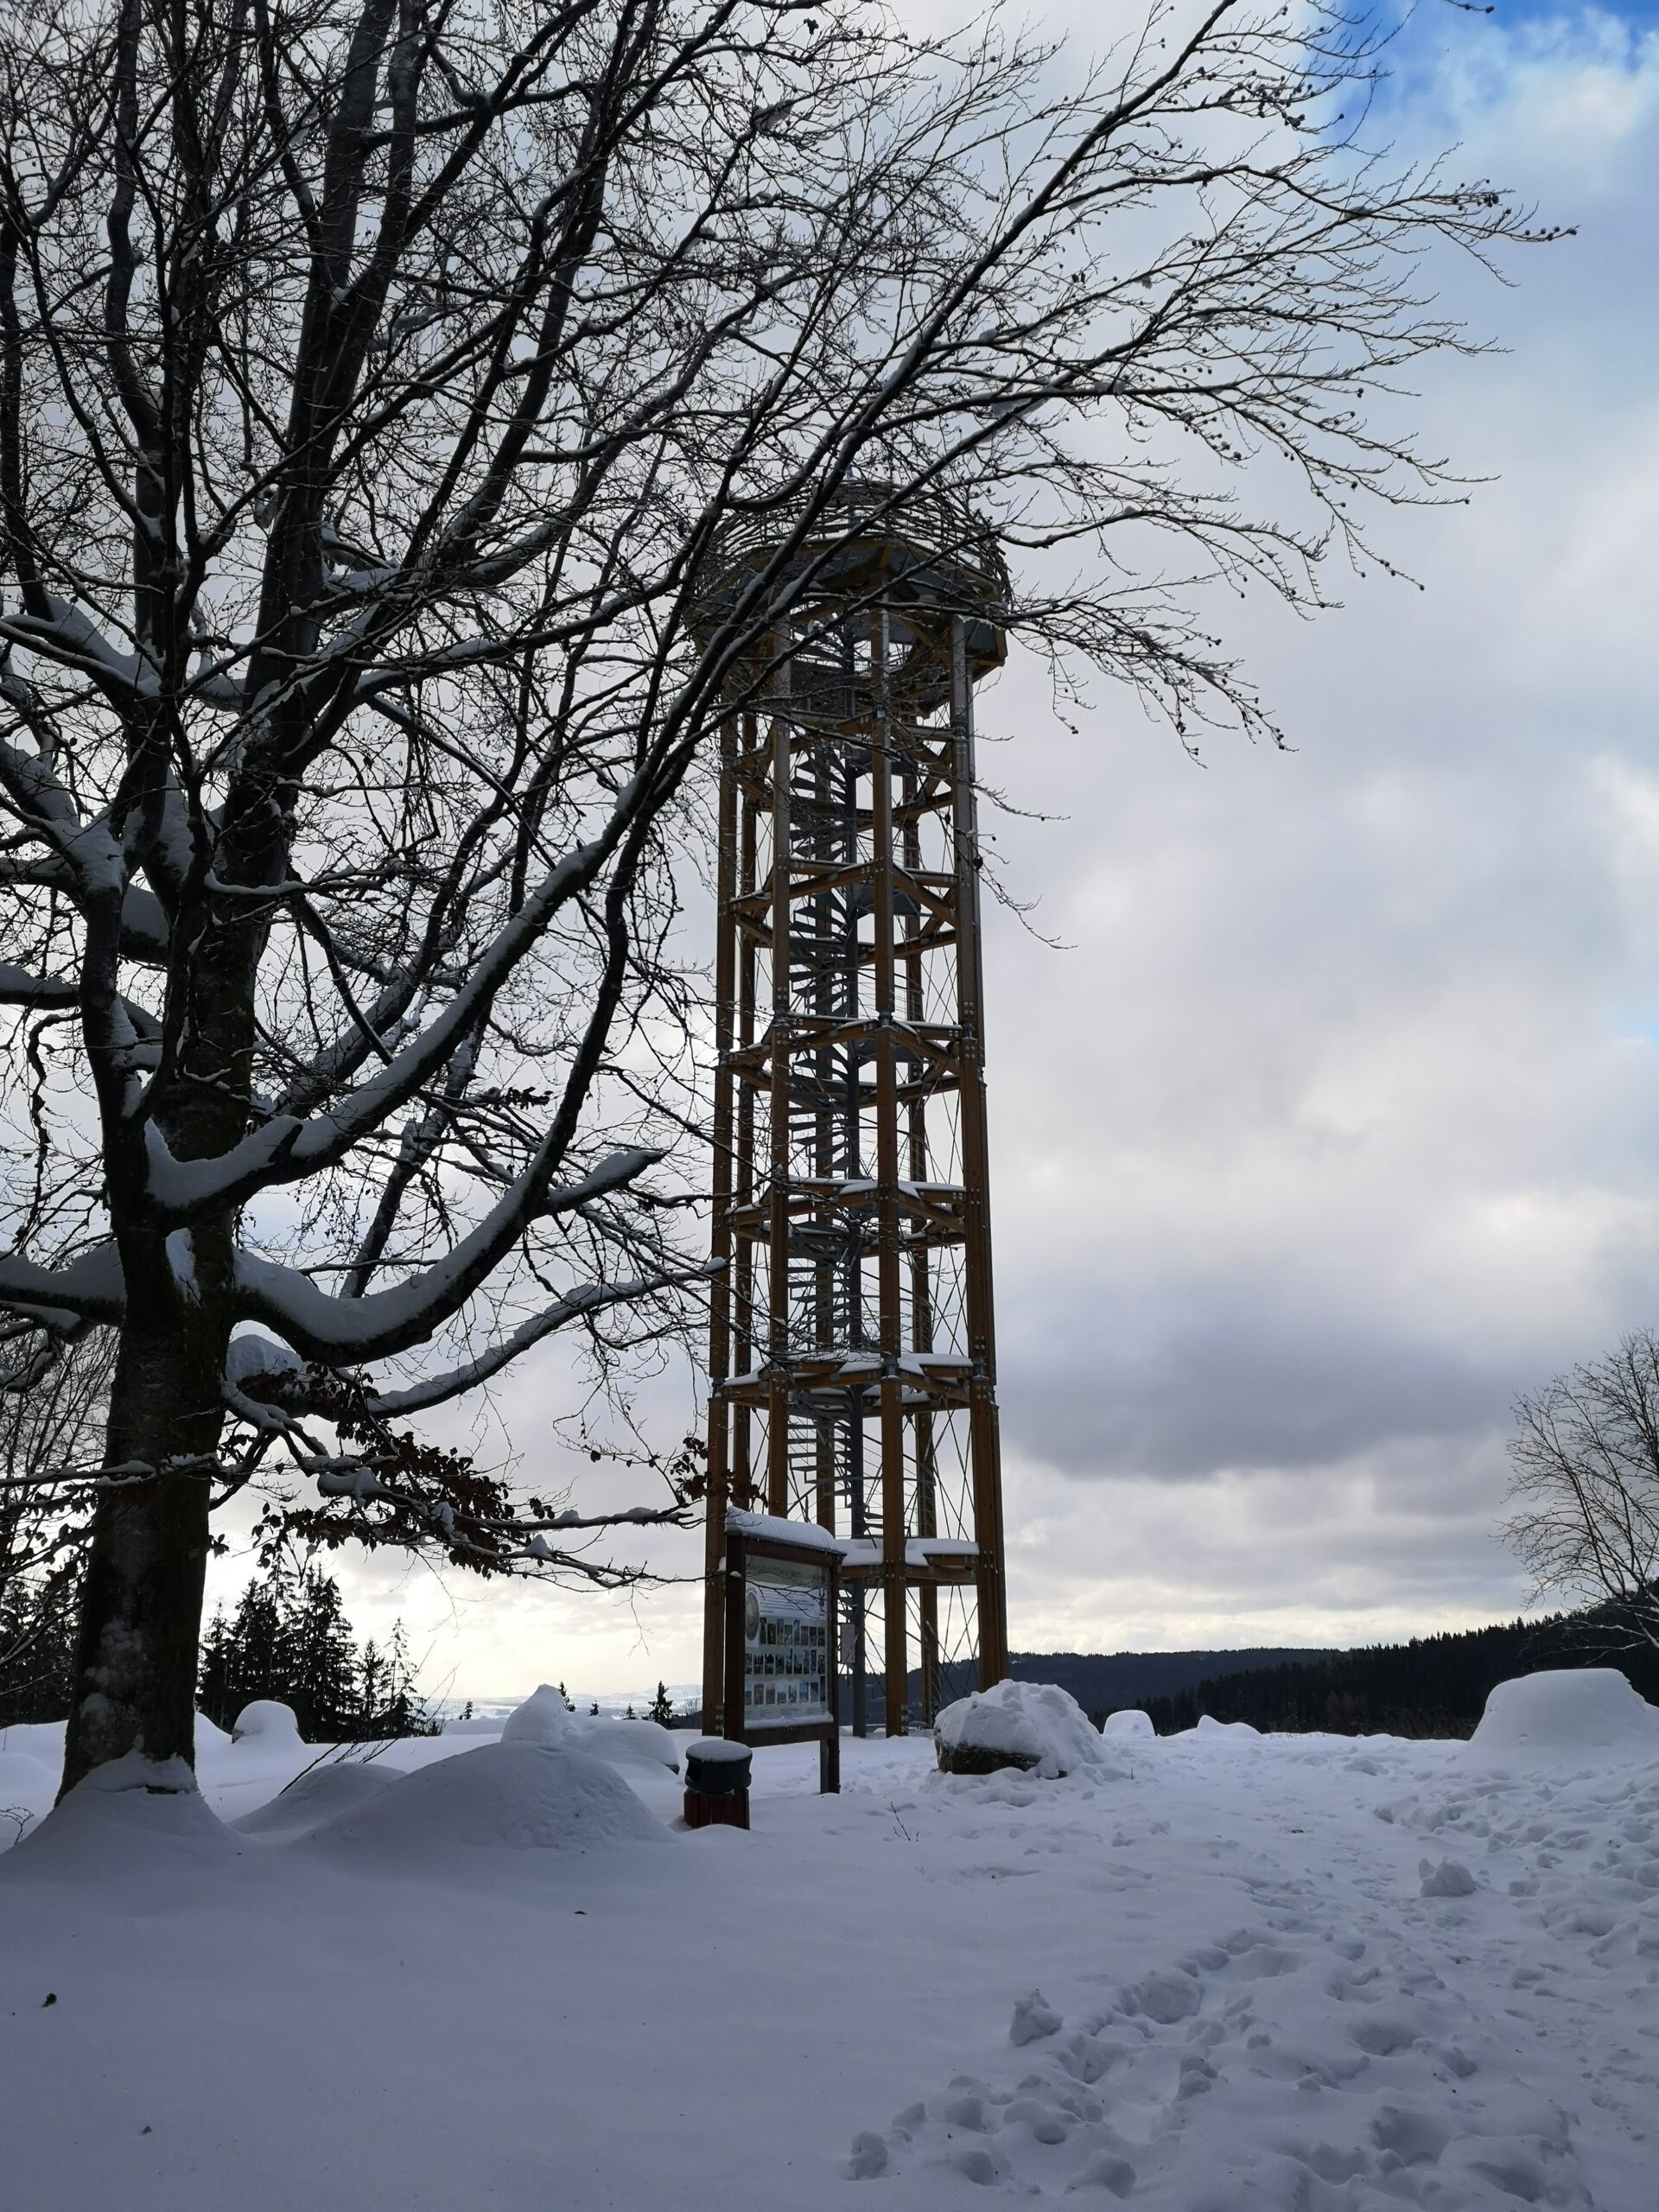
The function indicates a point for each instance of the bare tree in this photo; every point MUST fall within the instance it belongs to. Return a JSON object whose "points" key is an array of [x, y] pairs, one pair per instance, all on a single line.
{"points": [[386, 389], [1586, 1456]]}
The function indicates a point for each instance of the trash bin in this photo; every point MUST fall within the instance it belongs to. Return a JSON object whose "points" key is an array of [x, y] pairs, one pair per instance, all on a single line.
{"points": [[718, 1783]]}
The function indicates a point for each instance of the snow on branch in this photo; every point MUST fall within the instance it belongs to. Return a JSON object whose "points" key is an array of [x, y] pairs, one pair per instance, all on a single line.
{"points": [[289, 1149], [349, 1331], [68, 636], [87, 1288], [19, 988], [577, 1304]]}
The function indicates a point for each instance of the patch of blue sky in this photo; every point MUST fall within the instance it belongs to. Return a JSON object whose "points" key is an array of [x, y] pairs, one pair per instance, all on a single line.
{"points": [[1642, 12], [1436, 20], [1421, 38]]}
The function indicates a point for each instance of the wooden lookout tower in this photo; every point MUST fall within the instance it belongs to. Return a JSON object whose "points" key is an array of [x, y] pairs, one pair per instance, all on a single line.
{"points": [[852, 1354]]}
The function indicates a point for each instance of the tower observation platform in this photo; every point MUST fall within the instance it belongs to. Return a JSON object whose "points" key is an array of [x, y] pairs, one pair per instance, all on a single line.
{"points": [[852, 1350]]}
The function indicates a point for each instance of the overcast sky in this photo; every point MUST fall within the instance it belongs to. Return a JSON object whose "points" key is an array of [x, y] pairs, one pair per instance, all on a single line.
{"points": [[1336, 1122]]}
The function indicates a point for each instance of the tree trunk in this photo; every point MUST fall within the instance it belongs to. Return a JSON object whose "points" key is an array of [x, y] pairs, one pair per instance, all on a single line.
{"points": [[135, 1683]]}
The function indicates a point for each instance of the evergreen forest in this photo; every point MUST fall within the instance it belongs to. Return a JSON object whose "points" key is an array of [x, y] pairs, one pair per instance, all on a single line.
{"points": [[287, 1638], [1433, 1685]]}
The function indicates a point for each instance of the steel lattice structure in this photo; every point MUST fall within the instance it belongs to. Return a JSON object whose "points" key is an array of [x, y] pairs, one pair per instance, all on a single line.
{"points": [[852, 1354]]}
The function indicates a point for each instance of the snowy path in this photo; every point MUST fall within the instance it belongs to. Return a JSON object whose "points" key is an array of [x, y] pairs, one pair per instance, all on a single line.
{"points": [[1260, 2008], [1315, 2031]]}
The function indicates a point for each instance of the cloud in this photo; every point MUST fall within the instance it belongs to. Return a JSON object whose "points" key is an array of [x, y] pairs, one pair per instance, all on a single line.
{"points": [[1336, 1126], [1187, 1379]]}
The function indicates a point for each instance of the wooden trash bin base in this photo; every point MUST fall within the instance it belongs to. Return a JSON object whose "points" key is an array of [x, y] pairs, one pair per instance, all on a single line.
{"points": [[730, 1809]]}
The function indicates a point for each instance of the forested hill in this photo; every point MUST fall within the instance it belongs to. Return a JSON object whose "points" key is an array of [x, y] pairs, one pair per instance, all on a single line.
{"points": [[1102, 1682], [1433, 1685]]}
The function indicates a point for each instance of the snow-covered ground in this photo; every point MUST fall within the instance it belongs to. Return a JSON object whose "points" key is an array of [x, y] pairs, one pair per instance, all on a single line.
{"points": [[1292, 1973]]}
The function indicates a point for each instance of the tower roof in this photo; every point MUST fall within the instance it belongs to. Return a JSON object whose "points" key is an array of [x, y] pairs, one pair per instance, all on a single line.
{"points": [[922, 555]]}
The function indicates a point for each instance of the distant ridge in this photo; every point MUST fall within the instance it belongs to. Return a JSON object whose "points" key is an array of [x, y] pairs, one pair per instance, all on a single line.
{"points": [[1103, 1682], [1434, 1686]]}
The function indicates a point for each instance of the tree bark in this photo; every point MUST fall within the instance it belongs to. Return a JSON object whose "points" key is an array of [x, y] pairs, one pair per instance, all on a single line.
{"points": [[135, 1683]]}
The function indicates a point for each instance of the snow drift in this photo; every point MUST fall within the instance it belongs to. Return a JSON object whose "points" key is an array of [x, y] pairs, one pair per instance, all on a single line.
{"points": [[1036, 1726], [28, 1786], [1558, 1716], [321, 1795], [512, 1796]]}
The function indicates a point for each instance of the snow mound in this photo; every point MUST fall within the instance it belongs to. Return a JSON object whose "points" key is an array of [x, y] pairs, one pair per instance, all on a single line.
{"points": [[543, 1718], [1558, 1716], [321, 1795], [266, 1721], [1036, 1726], [1131, 1723], [210, 1737], [1209, 1725], [474, 1724], [518, 1796], [126, 1818]]}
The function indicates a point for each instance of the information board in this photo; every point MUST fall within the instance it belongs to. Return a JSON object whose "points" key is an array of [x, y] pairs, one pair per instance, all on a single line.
{"points": [[780, 1679], [788, 1662]]}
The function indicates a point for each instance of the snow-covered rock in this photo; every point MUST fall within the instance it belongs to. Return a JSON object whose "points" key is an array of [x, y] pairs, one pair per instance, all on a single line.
{"points": [[1036, 1726], [1563, 1713], [543, 1718], [1451, 1879], [516, 1796], [321, 1795], [1130, 1723], [266, 1721]]}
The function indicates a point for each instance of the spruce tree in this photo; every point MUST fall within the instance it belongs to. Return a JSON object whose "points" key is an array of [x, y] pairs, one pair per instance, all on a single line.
{"points": [[323, 1661], [214, 1694]]}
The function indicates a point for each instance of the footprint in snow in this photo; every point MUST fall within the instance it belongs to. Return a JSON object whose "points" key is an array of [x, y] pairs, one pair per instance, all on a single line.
{"points": [[1243, 2078]]}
